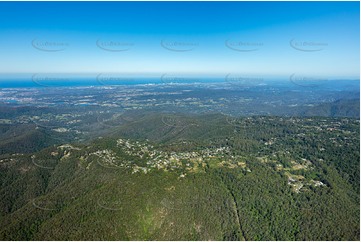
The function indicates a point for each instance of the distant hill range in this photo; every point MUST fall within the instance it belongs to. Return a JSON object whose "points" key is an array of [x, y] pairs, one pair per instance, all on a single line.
{"points": [[339, 108]]}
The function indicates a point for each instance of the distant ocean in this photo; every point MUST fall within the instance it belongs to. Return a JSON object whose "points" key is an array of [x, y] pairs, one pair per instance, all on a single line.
{"points": [[103, 81], [25, 83], [47, 82]]}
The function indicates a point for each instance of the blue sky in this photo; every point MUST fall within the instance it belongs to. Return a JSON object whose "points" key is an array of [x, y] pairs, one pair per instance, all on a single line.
{"points": [[197, 38]]}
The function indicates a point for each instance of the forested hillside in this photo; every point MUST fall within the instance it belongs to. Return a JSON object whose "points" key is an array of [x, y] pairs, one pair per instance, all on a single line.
{"points": [[177, 177]]}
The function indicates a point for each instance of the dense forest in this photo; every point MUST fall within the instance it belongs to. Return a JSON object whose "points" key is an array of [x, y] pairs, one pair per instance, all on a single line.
{"points": [[181, 177]]}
